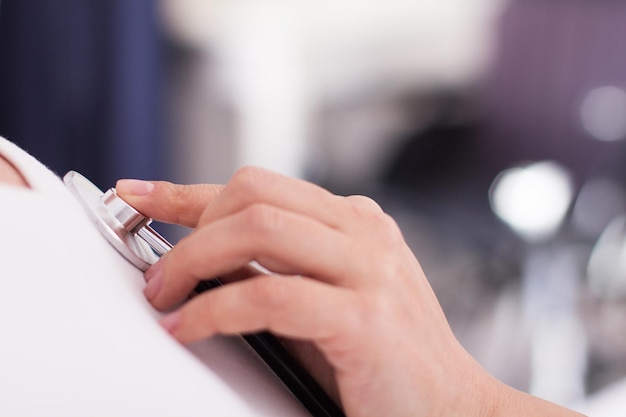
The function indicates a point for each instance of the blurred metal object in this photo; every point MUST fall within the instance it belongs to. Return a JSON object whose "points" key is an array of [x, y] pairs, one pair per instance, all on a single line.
{"points": [[126, 229]]}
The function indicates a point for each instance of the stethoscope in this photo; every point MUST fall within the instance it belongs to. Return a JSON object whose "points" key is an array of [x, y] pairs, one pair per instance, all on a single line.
{"points": [[129, 232], [124, 227]]}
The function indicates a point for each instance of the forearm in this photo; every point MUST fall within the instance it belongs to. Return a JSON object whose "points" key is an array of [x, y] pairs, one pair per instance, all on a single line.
{"points": [[482, 395], [514, 403]]}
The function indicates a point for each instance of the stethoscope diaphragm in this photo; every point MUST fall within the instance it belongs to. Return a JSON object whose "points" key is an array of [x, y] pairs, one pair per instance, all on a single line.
{"points": [[127, 230]]}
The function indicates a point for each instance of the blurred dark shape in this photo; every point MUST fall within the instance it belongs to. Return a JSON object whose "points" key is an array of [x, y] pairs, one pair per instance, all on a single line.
{"points": [[80, 85], [551, 55]]}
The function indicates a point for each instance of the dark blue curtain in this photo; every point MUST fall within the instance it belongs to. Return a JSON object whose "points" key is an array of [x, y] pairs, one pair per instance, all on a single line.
{"points": [[81, 85]]}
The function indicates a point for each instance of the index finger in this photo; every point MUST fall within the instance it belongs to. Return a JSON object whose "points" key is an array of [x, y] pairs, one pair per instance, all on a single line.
{"points": [[167, 202]]}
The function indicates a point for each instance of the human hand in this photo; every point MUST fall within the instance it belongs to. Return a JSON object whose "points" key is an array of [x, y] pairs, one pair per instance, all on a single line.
{"points": [[348, 292]]}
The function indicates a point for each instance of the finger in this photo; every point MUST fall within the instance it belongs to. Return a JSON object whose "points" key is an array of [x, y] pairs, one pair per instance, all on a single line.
{"points": [[287, 306], [167, 202], [252, 185], [275, 238]]}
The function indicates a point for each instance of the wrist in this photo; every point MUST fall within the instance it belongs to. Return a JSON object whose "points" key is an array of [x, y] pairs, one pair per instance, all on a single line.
{"points": [[509, 402], [485, 395], [472, 391]]}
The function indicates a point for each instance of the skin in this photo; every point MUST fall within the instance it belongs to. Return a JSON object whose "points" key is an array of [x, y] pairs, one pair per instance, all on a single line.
{"points": [[10, 175], [349, 297]]}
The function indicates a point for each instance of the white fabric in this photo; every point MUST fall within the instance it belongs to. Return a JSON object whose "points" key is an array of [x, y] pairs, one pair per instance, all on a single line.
{"points": [[79, 339]]}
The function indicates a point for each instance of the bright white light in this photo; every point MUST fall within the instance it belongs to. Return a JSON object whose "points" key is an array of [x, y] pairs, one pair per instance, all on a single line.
{"points": [[534, 199], [604, 113]]}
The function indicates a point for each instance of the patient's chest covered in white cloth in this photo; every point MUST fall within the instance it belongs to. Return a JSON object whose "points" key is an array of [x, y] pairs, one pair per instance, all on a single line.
{"points": [[78, 337]]}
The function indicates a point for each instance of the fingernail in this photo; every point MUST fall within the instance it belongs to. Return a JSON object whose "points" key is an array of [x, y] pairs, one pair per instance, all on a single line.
{"points": [[171, 321], [154, 286], [134, 187]]}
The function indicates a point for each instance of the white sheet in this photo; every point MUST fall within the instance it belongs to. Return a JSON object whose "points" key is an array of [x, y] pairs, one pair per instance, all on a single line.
{"points": [[78, 337]]}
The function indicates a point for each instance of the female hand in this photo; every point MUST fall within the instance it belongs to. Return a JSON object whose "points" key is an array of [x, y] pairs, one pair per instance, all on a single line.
{"points": [[347, 291]]}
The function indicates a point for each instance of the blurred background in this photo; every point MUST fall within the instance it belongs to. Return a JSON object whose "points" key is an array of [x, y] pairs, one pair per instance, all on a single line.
{"points": [[492, 130]]}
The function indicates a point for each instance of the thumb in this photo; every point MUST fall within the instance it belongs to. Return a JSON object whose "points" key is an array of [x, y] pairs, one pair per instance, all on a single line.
{"points": [[167, 202]]}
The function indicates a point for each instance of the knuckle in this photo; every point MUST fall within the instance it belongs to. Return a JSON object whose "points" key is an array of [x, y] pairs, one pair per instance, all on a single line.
{"points": [[382, 224], [268, 293], [249, 185], [388, 229], [365, 202], [354, 316], [388, 269], [262, 218], [389, 263], [249, 181], [379, 308], [389, 225], [364, 207]]}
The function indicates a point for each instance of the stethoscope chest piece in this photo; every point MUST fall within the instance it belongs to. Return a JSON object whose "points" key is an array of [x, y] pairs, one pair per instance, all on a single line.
{"points": [[126, 229]]}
